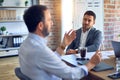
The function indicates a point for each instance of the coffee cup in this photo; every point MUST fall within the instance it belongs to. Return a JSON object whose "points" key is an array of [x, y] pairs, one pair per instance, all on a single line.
{"points": [[82, 51]]}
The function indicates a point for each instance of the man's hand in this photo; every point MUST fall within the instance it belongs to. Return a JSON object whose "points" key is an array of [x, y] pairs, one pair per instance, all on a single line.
{"points": [[96, 59], [68, 38], [72, 51]]}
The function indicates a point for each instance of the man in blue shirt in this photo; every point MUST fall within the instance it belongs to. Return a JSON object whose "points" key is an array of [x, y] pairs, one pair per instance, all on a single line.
{"points": [[37, 60]]}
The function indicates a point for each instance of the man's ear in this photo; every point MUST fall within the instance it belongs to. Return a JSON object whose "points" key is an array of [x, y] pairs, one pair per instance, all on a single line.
{"points": [[94, 22], [40, 26]]}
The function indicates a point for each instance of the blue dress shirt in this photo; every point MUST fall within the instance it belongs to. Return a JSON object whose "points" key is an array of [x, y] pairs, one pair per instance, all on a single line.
{"points": [[39, 62]]}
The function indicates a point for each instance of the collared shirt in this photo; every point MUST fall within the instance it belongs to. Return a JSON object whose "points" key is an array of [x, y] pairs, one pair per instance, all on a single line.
{"points": [[39, 62], [83, 38]]}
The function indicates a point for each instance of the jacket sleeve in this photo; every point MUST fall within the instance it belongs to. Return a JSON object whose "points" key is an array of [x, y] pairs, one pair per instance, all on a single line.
{"points": [[75, 44], [71, 46]]}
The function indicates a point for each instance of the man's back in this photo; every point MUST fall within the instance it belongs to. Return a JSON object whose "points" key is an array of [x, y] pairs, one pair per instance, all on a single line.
{"points": [[30, 52]]}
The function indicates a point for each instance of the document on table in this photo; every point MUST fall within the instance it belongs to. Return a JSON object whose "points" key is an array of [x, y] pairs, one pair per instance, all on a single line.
{"points": [[105, 54], [70, 58]]}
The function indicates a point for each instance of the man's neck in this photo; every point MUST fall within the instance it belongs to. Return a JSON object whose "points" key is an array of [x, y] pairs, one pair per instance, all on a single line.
{"points": [[85, 29], [39, 33]]}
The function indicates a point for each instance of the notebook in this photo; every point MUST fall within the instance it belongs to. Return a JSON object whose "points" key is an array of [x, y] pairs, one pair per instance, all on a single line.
{"points": [[116, 47], [100, 67]]}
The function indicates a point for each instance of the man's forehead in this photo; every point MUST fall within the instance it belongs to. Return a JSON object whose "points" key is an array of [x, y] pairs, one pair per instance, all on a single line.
{"points": [[89, 16], [47, 13]]}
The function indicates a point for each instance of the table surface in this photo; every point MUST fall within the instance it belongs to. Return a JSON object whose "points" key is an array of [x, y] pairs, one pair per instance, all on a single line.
{"points": [[102, 75]]}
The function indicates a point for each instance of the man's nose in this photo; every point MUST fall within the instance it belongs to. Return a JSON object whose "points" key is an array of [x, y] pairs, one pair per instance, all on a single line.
{"points": [[86, 22], [52, 23]]}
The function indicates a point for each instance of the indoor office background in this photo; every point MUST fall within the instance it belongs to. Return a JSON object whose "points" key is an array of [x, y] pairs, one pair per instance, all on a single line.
{"points": [[67, 14]]}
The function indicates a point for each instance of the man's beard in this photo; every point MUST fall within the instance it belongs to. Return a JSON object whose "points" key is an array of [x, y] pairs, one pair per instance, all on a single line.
{"points": [[45, 31]]}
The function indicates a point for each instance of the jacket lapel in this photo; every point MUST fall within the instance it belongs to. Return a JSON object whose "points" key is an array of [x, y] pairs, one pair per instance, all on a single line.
{"points": [[89, 35], [78, 38]]}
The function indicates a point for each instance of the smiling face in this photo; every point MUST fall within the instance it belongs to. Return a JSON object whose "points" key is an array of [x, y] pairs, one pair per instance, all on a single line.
{"points": [[88, 22]]}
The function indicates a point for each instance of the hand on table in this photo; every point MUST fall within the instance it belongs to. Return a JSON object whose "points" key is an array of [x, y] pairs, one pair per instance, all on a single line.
{"points": [[96, 59]]}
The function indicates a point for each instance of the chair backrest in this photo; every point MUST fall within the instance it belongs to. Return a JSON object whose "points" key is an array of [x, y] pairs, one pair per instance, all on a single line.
{"points": [[20, 75]]}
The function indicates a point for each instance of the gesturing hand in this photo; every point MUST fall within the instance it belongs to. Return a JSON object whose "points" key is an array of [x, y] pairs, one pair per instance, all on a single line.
{"points": [[69, 37]]}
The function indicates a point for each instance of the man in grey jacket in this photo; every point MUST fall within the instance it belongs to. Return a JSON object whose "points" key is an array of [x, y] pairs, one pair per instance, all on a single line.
{"points": [[87, 36]]}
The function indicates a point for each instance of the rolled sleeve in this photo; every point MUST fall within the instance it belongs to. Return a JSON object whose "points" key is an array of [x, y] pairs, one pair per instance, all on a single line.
{"points": [[57, 54], [84, 68]]}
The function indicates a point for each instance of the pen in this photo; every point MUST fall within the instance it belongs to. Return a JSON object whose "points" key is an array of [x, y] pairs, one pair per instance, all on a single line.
{"points": [[101, 47]]}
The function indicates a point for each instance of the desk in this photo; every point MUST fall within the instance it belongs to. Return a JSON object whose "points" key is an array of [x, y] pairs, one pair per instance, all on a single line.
{"points": [[102, 75]]}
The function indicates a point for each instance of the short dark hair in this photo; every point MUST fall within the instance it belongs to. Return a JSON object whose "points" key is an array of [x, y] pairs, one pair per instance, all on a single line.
{"points": [[91, 13], [33, 15]]}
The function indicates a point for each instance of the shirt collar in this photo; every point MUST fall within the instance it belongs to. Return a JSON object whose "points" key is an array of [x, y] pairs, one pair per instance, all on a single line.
{"points": [[37, 37], [87, 30]]}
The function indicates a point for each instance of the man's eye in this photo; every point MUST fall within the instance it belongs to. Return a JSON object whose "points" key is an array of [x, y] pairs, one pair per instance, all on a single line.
{"points": [[89, 20]]}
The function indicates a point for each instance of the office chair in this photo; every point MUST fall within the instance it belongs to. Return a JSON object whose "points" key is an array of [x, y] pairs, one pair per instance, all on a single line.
{"points": [[20, 75]]}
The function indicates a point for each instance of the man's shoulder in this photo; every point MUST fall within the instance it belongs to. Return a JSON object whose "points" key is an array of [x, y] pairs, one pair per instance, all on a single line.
{"points": [[78, 30], [95, 30]]}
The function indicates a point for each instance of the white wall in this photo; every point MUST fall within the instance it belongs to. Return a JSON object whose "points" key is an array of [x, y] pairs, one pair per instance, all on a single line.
{"points": [[67, 13]]}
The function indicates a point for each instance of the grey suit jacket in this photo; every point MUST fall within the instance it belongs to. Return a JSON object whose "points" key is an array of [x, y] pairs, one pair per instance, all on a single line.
{"points": [[93, 40]]}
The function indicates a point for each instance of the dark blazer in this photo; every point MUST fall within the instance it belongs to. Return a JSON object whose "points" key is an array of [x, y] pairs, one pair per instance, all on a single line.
{"points": [[93, 40]]}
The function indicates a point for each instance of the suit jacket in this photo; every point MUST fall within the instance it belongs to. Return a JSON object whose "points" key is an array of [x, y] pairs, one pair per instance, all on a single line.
{"points": [[93, 40]]}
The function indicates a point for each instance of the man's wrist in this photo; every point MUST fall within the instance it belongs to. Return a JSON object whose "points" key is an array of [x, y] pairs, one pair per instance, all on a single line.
{"points": [[61, 49], [90, 65], [62, 46]]}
